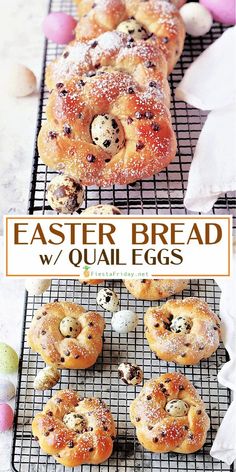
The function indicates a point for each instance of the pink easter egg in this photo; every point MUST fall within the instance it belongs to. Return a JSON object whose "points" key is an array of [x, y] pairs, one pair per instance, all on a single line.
{"points": [[6, 417], [223, 11], [59, 27]]}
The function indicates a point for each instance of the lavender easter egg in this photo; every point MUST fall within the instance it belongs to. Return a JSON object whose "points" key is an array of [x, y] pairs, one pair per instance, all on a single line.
{"points": [[59, 27], [6, 417], [223, 11], [7, 390]]}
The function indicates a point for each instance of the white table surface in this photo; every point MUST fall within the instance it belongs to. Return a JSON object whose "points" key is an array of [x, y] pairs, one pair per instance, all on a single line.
{"points": [[21, 40]]}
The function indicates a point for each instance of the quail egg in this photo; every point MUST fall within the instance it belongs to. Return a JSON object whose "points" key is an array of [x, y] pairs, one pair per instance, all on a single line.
{"points": [[180, 324], [133, 29], [108, 299], [47, 378], [37, 286], [70, 327], [124, 321], [64, 194], [102, 210], [107, 132], [177, 408], [7, 390], [130, 374], [75, 422]]}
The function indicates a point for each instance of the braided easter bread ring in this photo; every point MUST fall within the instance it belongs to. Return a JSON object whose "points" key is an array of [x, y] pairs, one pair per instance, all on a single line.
{"points": [[154, 289], [169, 415], [109, 126], [182, 331], [156, 21], [66, 336], [75, 430]]}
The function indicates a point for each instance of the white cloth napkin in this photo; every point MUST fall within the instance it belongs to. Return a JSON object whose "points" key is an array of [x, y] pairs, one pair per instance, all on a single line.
{"points": [[210, 84], [210, 81], [224, 446], [213, 169]]}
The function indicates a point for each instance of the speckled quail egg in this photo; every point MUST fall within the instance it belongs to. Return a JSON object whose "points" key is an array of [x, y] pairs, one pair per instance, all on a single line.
{"points": [[75, 422], [124, 321], [7, 390], [180, 324], [102, 210], [133, 29], [47, 378], [70, 327], [64, 194], [108, 299], [107, 132], [130, 374], [37, 286], [8, 359], [177, 408]]}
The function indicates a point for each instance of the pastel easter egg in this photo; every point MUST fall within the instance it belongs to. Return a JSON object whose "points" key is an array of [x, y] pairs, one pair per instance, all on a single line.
{"points": [[21, 81], [6, 417], [7, 390], [197, 19], [223, 11], [8, 359], [59, 27], [37, 286]]}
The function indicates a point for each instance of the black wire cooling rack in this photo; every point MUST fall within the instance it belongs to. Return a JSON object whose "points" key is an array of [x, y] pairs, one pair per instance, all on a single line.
{"points": [[162, 194], [102, 381]]}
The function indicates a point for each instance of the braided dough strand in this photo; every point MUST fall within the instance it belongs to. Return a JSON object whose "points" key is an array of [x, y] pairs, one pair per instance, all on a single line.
{"points": [[182, 331], [128, 83], [79, 352], [161, 20], [160, 432], [92, 444]]}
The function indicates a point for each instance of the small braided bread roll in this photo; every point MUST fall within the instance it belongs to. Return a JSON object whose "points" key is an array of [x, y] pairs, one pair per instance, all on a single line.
{"points": [[66, 336], [150, 20], [75, 430], [107, 119], [169, 415], [155, 289], [182, 331]]}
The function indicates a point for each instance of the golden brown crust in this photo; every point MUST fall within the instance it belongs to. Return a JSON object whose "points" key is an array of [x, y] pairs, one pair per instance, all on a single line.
{"points": [[44, 336], [91, 281], [91, 446], [159, 432], [183, 348], [127, 89], [161, 19], [155, 289]]}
